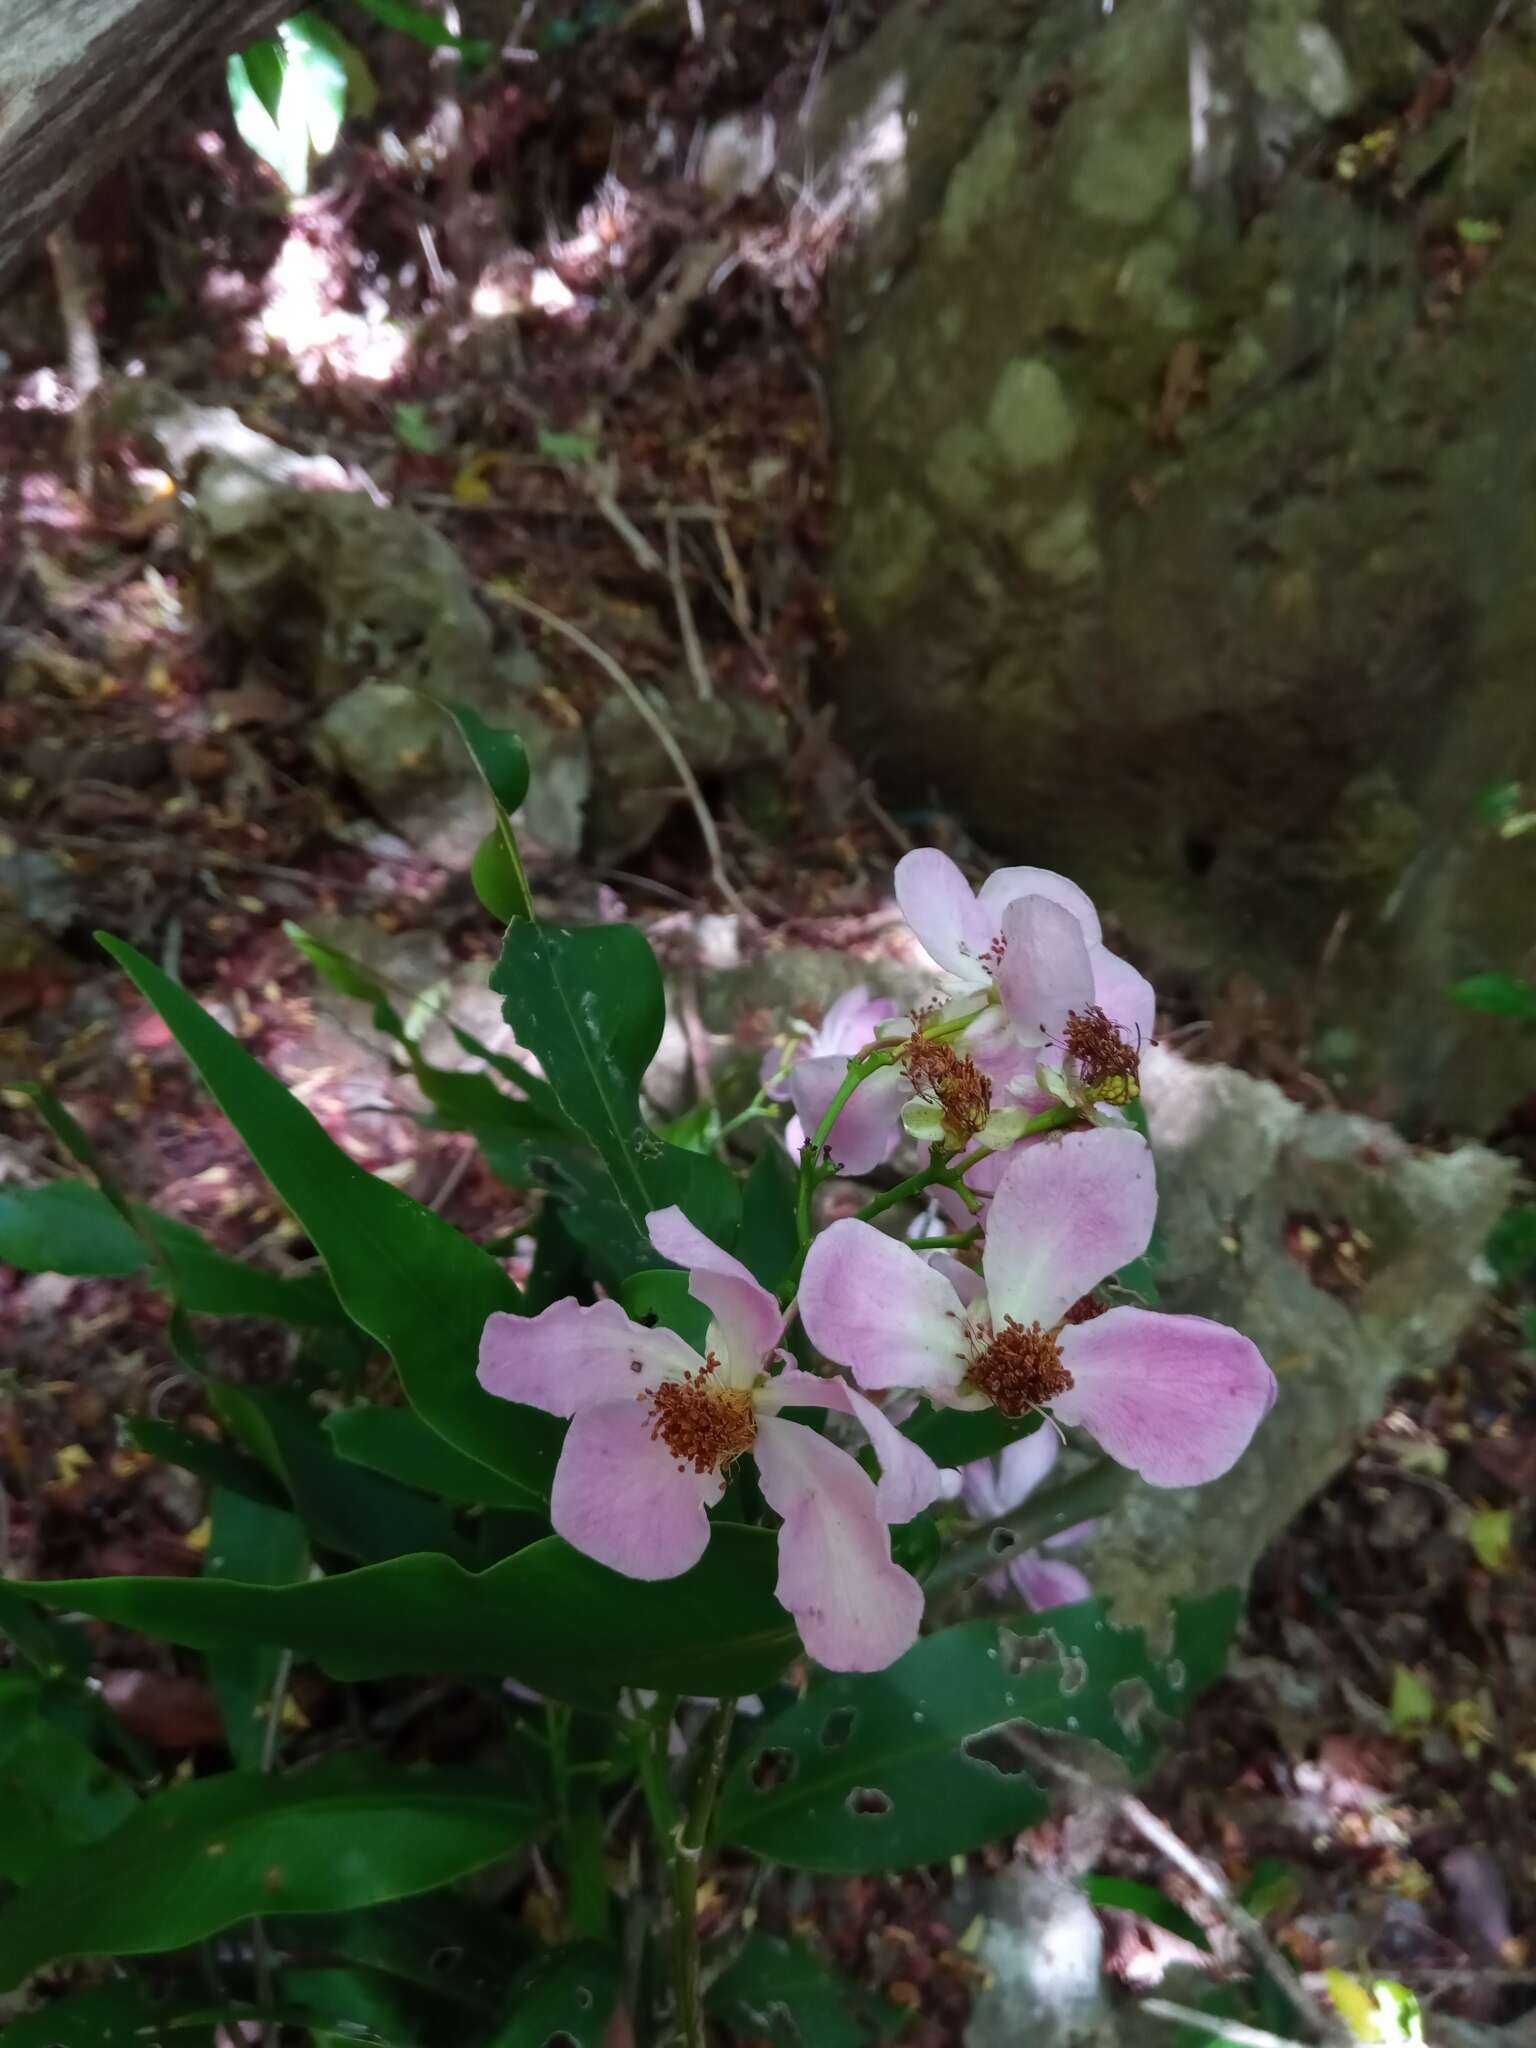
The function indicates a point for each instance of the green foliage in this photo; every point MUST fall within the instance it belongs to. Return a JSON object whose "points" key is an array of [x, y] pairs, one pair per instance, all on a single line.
{"points": [[548, 1617], [1498, 995], [402, 1274], [569, 1994], [908, 1765], [785, 1994], [1130, 1895], [288, 94], [202, 1855], [426, 28]]}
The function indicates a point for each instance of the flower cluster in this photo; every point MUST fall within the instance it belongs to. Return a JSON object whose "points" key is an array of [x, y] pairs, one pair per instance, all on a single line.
{"points": [[1017, 1074]]}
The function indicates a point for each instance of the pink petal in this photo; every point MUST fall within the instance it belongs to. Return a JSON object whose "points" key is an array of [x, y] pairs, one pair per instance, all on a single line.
{"points": [[1176, 1398], [569, 1358], [1048, 1581], [1067, 1213], [964, 1279], [909, 1480], [1007, 885], [871, 1303], [1045, 972], [855, 1609], [869, 1126], [751, 1321], [996, 1486], [1125, 996], [850, 1022], [619, 1497], [940, 905], [1069, 1539]]}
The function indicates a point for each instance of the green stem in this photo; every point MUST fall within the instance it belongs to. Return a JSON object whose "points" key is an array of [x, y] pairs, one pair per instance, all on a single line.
{"points": [[859, 1071], [1091, 1493], [956, 1241], [681, 1841]]}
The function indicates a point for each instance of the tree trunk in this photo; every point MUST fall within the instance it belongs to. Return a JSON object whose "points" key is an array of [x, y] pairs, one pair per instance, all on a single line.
{"points": [[1183, 385], [79, 82]]}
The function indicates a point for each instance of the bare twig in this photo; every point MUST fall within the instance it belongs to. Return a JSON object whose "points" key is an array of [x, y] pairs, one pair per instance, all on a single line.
{"points": [[658, 725], [1212, 2023], [698, 668], [71, 282], [602, 480]]}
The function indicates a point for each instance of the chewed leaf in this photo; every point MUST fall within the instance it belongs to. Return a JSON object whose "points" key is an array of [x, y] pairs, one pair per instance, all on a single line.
{"points": [[921, 1767]]}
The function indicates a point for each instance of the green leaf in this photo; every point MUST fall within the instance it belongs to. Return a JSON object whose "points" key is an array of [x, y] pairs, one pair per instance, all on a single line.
{"points": [[498, 754], [1274, 1886], [402, 1274], [872, 1773], [252, 1544], [785, 1994], [1511, 1244], [53, 1648], [289, 95], [55, 1793], [345, 1509], [68, 1226], [570, 1995], [414, 430], [565, 447], [768, 1241], [661, 1297], [547, 1616], [588, 1004], [1413, 1702], [394, 1442], [954, 1436], [122, 2016], [443, 1941], [201, 1855], [497, 879], [426, 28], [1497, 995], [1130, 1895], [207, 1457]]}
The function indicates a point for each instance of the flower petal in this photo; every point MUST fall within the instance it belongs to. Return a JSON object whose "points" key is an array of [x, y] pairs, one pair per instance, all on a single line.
{"points": [[1045, 972], [1048, 1581], [569, 1358], [1007, 885], [1125, 996], [850, 1022], [996, 1486], [855, 1609], [940, 905], [1176, 1398], [1067, 1213], [775, 1067], [619, 1497], [909, 1479], [871, 1303], [751, 1321], [868, 1126]]}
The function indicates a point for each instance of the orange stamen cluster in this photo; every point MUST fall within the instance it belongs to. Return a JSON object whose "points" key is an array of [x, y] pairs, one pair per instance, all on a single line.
{"points": [[962, 1091], [1084, 1310], [702, 1425], [1110, 1067], [1020, 1369]]}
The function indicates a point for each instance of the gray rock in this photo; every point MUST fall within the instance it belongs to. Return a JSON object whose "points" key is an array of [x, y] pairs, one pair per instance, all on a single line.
{"points": [[1240, 1169], [1092, 536], [1041, 1951]]}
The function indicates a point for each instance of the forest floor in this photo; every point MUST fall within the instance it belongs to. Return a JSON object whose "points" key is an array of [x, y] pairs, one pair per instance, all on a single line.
{"points": [[629, 345]]}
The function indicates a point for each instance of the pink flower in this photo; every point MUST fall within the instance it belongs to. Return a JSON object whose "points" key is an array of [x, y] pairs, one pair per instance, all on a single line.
{"points": [[1029, 941], [1176, 1398], [867, 1130], [994, 1487], [655, 1427]]}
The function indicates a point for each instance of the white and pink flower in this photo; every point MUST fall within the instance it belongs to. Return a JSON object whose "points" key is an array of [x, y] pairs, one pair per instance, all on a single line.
{"points": [[656, 1426], [1025, 956], [1175, 1397], [994, 1487], [869, 1127]]}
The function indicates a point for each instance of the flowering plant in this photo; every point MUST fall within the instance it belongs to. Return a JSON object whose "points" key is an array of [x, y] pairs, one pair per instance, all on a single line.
{"points": [[712, 1500]]}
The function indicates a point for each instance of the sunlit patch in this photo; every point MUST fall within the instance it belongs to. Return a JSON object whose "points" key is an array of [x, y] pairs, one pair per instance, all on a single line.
{"points": [[304, 314]]}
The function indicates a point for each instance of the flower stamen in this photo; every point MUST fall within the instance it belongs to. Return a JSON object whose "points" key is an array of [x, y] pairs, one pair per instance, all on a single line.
{"points": [[1108, 1066], [1020, 1369], [958, 1086], [702, 1425]]}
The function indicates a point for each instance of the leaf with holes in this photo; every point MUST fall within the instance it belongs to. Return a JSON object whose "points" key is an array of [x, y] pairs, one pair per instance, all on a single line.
{"points": [[202, 1855], [401, 1272], [913, 1765], [785, 1994], [566, 1996]]}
